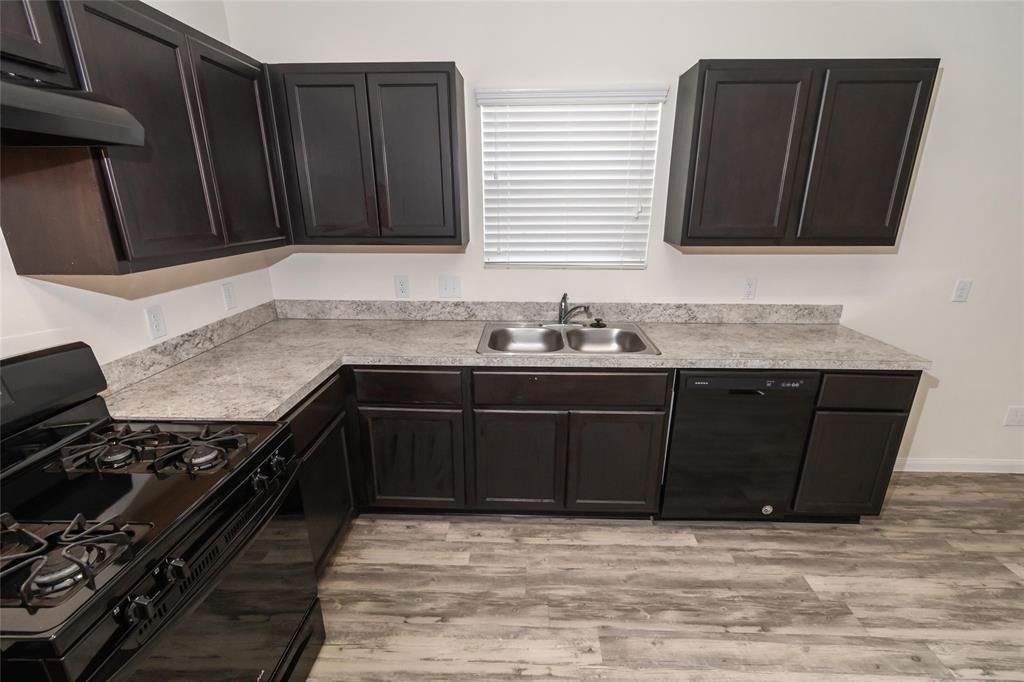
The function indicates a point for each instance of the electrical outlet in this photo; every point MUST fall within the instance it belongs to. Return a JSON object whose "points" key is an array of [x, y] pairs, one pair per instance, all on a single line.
{"points": [[155, 321], [227, 290], [449, 286], [962, 290], [750, 289], [1014, 416], [402, 286]]}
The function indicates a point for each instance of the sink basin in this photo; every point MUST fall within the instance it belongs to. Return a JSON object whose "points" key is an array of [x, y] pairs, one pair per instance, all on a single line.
{"points": [[606, 340], [525, 340]]}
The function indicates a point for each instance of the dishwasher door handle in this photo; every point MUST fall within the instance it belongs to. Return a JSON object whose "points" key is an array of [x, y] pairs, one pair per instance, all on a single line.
{"points": [[745, 391]]}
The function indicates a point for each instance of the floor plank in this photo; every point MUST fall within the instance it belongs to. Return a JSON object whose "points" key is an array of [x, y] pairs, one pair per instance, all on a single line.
{"points": [[932, 589]]}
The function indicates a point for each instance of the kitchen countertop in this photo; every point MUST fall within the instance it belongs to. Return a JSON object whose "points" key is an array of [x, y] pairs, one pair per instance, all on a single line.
{"points": [[266, 372]]}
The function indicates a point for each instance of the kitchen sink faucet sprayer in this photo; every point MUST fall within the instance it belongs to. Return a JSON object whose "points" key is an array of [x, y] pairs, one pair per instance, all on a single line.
{"points": [[565, 313]]}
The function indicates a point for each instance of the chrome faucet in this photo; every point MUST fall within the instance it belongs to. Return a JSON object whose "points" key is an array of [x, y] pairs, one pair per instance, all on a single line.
{"points": [[565, 313]]}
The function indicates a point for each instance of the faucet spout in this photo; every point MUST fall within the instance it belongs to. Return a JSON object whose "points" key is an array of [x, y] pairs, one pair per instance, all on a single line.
{"points": [[565, 313]]}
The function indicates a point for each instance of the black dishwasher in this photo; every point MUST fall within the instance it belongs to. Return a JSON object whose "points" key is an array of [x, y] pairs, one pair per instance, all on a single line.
{"points": [[737, 443]]}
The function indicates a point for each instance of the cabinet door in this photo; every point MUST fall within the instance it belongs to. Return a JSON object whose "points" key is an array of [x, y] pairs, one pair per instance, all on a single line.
{"points": [[231, 103], [326, 492], [864, 152], [751, 122], [412, 144], [330, 141], [520, 459], [850, 456], [615, 461], [159, 191], [30, 33], [414, 457]]}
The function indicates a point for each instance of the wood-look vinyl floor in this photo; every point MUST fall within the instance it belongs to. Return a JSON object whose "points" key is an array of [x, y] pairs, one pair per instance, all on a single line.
{"points": [[932, 589]]}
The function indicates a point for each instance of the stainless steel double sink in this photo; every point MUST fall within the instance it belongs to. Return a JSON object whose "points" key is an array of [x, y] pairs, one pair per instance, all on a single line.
{"points": [[503, 338]]}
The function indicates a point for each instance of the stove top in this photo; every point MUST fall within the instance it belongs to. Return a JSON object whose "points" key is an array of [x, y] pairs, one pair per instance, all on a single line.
{"points": [[155, 449], [42, 564], [91, 503]]}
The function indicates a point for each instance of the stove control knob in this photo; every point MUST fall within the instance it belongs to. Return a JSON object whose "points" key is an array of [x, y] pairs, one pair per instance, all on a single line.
{"points": [[139, 609], [276, 463], [176, 569], [260, 483]]}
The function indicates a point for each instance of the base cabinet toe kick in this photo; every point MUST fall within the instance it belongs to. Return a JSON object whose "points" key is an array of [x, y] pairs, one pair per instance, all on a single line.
{"points": [[771, 445]]}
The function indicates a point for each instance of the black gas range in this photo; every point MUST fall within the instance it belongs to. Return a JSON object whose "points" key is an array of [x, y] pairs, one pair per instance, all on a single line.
{"points": [[124, 543]]}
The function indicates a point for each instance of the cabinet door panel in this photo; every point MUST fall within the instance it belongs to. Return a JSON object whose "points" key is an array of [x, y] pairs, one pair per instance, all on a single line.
{"points": [[330, 133], [750, 131], [326, 493], [520, 459], [850, 456], [615, 460], [415, 457], [159, 191], [869, 128], [231, 99], [412, 144], [31, 33]]}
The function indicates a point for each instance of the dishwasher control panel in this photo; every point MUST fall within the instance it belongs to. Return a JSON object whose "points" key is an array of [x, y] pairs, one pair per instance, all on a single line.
{"points": [[778, 382]]}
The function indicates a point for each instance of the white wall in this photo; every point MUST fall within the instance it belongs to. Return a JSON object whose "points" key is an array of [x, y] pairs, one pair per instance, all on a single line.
{"points": [[964, 217], [206, 15], [37, 314]]}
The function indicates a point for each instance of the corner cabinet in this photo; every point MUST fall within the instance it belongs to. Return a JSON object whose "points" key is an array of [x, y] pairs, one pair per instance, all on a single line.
{"points": [[202, 186], [795, 152], [373, 153]]}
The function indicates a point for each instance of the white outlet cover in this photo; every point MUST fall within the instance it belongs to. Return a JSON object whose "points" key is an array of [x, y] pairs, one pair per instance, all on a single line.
{"points": [[1014, 416], [750, 289], [155, 322], [402, 289], [449, 286], [962, 290], [227, 290]]}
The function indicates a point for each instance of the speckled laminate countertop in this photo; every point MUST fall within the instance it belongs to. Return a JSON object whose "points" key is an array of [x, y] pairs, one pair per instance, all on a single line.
{"points": [[266, 372]]}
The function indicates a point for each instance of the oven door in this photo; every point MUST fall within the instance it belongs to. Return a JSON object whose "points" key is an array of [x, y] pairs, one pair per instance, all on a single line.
{"points": [[261, 620]]}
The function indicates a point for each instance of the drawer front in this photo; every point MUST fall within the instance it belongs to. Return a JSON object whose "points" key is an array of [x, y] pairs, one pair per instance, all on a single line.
{"points": [[404, 387], [310, 418], [576, 389], [884, 392]]}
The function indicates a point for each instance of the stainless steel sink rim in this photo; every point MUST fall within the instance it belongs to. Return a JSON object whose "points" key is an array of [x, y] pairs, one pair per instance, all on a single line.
{"points": [[569, 335]]}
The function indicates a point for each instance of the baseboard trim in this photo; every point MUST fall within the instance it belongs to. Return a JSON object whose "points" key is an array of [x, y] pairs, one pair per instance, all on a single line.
{"points": [[962, 465]]}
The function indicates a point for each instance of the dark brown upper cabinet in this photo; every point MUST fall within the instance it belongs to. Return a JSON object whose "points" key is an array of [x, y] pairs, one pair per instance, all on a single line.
{"points": [[329, 125], [33, 42], [795, 152], [160, 192], [239, 138], [374, 153], [201, 187]]}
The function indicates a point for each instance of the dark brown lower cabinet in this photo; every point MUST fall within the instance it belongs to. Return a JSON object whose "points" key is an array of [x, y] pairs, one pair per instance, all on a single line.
{"points": [[415, 456], [326, 490], [615, 461], [520, 459], [849, 461]]}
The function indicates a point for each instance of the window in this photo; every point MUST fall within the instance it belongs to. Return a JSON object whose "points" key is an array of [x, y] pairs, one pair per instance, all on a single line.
{"points": [[568, 177]]}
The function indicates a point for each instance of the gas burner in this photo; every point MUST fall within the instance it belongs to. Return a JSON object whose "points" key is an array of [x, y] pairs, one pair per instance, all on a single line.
{"points": [[47, 564], [209, 450], [153, 450]]}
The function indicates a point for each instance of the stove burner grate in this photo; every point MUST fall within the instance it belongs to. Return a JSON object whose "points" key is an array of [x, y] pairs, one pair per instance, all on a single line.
{"points": [[43, 571], [152, 450]]}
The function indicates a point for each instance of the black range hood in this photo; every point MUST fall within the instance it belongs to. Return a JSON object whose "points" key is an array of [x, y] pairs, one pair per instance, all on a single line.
{"points": [[40, 117]]}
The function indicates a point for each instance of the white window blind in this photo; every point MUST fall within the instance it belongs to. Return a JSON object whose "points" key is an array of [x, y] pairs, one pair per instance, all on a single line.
{"points": [[568, 176]]}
